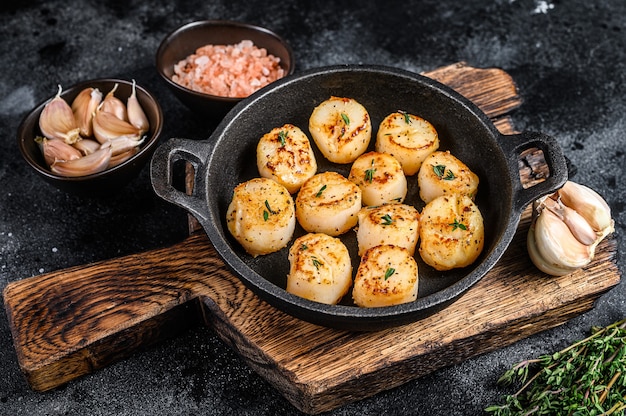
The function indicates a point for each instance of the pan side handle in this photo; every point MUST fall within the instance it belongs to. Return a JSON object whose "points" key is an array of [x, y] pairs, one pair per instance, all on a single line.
{"points": [[513, 145], [162, 174]]}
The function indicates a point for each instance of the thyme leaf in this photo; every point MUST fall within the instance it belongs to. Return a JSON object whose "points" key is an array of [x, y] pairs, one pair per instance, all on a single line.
{"points": [[456, 224], [282, 136], [387, 220], [389, 272], [369, 173], [319, 193], [345, 118], [439, 170], [316, 262]]}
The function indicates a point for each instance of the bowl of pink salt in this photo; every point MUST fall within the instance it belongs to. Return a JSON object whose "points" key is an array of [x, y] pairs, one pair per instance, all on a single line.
{"points": [[211, 65]]}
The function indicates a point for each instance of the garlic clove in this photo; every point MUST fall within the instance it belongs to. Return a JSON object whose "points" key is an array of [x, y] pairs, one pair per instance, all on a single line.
{"points": [[539, 261], [123, 144], [83, 108], [576, 223], [87, 146], [112, 104], [107, 126], [86, 165], [57, 120], [136, 115], [123, 157], [558, 247], [56, 149], [589, 204]]}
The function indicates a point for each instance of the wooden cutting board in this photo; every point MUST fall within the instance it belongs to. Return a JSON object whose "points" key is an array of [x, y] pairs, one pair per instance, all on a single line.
{"points": [[69, 323]]}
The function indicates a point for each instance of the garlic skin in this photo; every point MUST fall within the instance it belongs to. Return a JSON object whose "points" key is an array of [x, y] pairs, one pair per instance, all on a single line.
{"points": [[565, 232], [83, 107], [136, 116], [57, 120]]}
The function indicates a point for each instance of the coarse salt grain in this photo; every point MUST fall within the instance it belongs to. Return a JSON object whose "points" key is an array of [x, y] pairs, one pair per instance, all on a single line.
{"points": [[228, 70]]}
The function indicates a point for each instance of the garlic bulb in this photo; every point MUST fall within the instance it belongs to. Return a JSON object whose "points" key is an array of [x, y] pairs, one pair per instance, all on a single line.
{"points": [[566, 229], [57, 120]]}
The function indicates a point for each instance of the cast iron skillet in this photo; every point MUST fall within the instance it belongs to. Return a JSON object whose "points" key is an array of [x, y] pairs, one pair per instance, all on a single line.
{"points": [[228, 158]]}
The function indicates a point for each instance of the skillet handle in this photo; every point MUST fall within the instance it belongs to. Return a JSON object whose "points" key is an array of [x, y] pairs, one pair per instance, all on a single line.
{"points": [[162, 169], [513, 145]]}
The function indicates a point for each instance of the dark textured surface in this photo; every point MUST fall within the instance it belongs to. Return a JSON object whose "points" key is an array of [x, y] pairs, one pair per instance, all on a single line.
{"points": [[566, 57]]}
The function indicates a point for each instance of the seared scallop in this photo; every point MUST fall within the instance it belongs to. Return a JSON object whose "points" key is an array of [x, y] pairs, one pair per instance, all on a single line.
{"points": [[451, 232], [443, 174], [285, 155], [387, 275], [407, 137], [396, 224], [261, 216], [328, 203], [319, 268], [380, 177], [341, 128]]}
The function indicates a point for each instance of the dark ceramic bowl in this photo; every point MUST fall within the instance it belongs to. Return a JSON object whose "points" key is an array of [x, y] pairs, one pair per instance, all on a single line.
{"points": [[110, 180], [184, 41], [228, 158]]}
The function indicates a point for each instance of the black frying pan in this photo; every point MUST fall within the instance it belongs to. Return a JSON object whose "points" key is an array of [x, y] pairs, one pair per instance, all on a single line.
{"points": [[228, 158]]}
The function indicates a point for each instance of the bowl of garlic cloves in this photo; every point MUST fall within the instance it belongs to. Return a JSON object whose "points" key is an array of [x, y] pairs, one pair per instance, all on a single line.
{"points": [[92, 138]]}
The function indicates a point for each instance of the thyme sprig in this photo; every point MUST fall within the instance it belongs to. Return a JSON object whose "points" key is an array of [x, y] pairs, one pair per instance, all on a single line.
{"points": [[586, 378]]}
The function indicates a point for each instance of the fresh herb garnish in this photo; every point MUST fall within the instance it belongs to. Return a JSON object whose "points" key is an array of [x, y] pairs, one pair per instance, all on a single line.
{"points": [[369, 173], [303, 247], [439, 170], [319, 193], [387, 220], [389, 272], [449, 176], [585, 378], [316, 262], [282, 136], [407, 117], [456, 224], [266, 213], [345, 118]]}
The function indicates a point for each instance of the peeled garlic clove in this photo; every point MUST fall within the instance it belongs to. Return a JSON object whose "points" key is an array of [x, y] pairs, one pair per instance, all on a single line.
{"points": [[86, 165], [123, 144], [136, 115], [589, 204], [112, 104], [57, 120], [576, 223], [87, 146], [107, 126], [558, 247], [83, 107], [56, 149], [123, 157]]}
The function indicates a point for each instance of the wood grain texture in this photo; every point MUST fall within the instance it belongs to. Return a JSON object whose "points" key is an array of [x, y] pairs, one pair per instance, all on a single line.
{"points": [[71, 322]]}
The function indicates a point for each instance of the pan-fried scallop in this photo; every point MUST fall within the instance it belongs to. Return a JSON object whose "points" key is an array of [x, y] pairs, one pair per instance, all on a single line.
{"points": [[387, 275], [341, 128], [407, 137], [442, 174], [320, 268], [261, 216], [328, 203], [451, 232], [396, 224], [380, 177], [285, 155]]}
